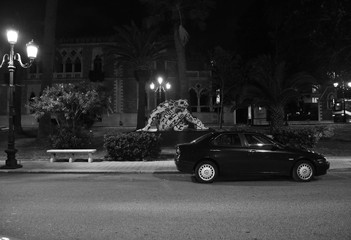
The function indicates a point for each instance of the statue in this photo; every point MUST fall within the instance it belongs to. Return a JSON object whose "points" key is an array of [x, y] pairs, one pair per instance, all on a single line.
{"points": [[173, 114]]}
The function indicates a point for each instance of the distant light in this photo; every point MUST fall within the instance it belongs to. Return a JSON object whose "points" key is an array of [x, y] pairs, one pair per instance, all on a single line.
{"points": [[349, 84], [12, 36], [160, 80], [168, 86], [152, 86]]}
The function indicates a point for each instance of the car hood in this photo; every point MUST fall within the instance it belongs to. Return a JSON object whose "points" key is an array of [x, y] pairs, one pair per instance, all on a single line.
{"points": [[303, 151]]}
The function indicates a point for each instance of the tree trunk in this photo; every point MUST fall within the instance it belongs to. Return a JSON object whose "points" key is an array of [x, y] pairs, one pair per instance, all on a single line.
{"points": [[142, 76], [277, 117], [48, 60], [182, 90]]}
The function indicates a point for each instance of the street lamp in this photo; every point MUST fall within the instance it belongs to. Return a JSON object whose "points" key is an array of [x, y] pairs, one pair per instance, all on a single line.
{"points": [[343, 86], [32, 50], [160, 89]]}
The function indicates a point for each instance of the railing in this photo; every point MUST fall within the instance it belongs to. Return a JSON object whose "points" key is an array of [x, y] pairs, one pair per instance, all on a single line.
{"points": [[77, 75]]}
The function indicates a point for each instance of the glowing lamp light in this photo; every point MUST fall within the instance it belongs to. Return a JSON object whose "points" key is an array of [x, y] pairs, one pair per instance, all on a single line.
{"points": [[336, 84], [12, 36], [168, 86], [160, 80], [152, 86], [32, 50], [349, 84]]}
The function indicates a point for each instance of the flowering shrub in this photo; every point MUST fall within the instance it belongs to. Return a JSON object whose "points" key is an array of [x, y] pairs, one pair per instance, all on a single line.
{"points": [[134, 146], [74, 105]]}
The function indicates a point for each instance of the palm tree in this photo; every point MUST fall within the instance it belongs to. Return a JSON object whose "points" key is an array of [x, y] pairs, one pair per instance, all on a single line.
{"points": [[228, 75], [139, 48], [270, 85], [176, 13]]}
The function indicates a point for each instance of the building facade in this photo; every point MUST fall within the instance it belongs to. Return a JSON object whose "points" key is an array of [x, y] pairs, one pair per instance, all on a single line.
{"points": [[87, 60]]}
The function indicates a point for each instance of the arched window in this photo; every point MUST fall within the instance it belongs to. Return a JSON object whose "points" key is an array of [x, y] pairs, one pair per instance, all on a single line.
{"points": [[97, 64], [204, 101], [77, 65], [68, 65]]}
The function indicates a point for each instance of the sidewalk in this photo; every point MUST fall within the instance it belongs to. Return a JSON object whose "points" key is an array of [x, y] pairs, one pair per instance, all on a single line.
{"points": [[163, 166]]}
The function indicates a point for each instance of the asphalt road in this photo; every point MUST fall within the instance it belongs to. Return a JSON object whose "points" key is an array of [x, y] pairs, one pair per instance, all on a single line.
{"points": [[171, 206]]}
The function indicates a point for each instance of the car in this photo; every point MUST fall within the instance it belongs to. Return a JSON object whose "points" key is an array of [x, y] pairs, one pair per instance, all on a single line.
{"points": [[239, 153]]}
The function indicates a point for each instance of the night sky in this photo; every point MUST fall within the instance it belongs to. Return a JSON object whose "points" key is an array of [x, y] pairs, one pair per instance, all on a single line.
{"points": [[83, 18]]}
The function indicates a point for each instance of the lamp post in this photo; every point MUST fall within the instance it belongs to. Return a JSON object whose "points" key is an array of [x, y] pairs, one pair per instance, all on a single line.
{"points": [[343, 86], [160, 88], [32, 50]]}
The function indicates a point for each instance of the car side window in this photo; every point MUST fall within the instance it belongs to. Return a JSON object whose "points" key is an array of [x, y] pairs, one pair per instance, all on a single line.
{"points": [[256, 140], [227, 140]]}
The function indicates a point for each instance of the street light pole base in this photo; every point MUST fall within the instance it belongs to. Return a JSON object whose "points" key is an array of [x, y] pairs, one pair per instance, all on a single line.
{"points": [[11, 162], [11, 166]]}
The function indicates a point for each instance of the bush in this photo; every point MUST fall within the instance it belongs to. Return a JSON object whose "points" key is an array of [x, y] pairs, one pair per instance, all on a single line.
{"points": [[134, 146], [298, 138], [325, 131], [65, 138]]}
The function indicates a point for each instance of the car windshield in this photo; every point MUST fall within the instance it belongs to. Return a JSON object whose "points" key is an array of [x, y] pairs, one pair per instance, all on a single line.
{"points": [[199, 139]]}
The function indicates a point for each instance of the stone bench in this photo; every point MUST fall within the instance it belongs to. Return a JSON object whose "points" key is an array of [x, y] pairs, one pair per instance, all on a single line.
{"points": [[72, 151]]}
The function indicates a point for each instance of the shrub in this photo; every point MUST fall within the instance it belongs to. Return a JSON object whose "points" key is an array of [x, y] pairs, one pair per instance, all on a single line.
{"points": [[65, 138], [325, 131], [298, 138], [134, 146]]}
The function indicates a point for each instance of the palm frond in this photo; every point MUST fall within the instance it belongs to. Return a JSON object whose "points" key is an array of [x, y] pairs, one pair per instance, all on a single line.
{"points": [[138, 47], [183, 35]]}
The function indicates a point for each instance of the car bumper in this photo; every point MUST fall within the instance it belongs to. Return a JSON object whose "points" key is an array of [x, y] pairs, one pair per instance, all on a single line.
{"points": [[321, 169], [183, 166]]}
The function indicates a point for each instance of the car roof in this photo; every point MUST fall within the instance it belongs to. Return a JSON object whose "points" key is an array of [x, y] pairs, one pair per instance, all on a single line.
{"points": [[237, 131]]}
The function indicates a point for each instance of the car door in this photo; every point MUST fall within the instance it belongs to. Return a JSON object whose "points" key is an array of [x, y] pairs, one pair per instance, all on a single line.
{"points": [[227, 150], [264, 156]]}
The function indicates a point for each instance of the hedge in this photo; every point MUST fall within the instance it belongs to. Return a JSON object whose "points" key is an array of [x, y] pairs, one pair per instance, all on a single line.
{"points": [[133, 146]]}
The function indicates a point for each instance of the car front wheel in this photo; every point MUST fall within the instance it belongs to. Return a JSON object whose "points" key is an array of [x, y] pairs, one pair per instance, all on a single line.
{"points": [[206, 172], [303, 171]]}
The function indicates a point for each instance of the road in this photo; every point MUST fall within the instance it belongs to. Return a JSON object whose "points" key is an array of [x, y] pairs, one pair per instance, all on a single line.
{"points": [[171, 206]]}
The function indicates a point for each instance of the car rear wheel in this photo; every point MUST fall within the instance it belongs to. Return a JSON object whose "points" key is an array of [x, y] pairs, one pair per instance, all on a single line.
{"points": [[206, 172], [303, 171]]}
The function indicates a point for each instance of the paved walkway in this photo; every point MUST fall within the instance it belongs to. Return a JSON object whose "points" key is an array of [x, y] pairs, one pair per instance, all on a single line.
{"points": [[164, 166]]}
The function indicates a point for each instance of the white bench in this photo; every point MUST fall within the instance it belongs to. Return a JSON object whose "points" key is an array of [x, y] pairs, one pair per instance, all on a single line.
{"points": [[72, 151]]}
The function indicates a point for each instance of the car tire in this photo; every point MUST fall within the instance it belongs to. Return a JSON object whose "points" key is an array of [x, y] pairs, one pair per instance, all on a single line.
{"points": [[206, 172], [303, 171]]}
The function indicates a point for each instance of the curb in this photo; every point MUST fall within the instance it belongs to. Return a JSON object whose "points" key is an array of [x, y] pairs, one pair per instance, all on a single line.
{"points": [[89, 172]]}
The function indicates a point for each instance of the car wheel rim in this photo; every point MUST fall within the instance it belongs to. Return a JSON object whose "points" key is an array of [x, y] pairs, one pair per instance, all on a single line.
{"points": [[206, 172], [304, 171]]}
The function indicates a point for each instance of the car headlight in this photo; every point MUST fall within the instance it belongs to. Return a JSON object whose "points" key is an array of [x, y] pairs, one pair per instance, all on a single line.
{"points": [[321, 160]]}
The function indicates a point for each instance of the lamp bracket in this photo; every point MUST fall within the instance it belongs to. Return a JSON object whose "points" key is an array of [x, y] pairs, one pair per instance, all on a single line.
{"points": [[4, 58], [17, 57]]}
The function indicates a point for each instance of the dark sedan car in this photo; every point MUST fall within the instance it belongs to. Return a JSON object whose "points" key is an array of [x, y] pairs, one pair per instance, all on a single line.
{"points": [[246, 153]]}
